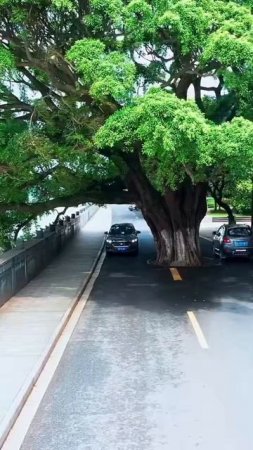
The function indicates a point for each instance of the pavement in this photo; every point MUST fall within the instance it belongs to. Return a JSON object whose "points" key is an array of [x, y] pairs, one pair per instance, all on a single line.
{"points": [[32, 320]]}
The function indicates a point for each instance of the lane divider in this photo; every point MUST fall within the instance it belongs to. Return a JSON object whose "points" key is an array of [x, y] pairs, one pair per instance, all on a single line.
{"points": [[175, 274], [199, 333]]}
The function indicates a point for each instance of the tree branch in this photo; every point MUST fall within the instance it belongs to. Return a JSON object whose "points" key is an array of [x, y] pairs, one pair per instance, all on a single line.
{"points": [[22, 225], [45, 91], [105, 196]]}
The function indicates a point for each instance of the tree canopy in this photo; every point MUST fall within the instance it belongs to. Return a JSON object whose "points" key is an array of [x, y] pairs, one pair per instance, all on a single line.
{"points": [[103, 100]]}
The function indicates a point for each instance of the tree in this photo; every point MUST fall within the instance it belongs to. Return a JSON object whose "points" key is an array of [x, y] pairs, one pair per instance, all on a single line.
{"points": [[242, 197], [102, 107]]}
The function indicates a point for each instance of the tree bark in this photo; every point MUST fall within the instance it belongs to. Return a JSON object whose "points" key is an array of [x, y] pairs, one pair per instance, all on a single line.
{"points": [[226, 207], [187, 207], [176, 226]]}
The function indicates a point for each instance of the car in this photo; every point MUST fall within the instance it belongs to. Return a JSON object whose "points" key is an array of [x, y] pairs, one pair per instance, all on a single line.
{"points": [[133, 208], [122, 238], [233, 241]]}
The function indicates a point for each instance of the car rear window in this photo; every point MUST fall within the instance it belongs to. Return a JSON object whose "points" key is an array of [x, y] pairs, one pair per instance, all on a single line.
{"points": [[121, 229], [240, 231]]}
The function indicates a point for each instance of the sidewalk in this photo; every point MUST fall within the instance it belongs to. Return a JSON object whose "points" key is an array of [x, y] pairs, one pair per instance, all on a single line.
{"points": [[31, 321]]}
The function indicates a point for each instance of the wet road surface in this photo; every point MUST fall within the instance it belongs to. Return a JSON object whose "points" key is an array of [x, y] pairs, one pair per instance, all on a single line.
{"points": [[134, 375]]}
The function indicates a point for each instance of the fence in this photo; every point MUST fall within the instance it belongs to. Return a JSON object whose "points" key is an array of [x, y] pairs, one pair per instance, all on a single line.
{"points": [[225, 219], [20, 265]]}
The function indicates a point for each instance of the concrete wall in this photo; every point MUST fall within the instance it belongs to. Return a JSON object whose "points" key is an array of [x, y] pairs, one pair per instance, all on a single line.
{"points": [[20, 265]]}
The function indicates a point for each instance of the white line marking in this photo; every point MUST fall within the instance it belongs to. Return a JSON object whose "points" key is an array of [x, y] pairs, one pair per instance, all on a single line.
{"points": [[23, 422], [197, 329]]}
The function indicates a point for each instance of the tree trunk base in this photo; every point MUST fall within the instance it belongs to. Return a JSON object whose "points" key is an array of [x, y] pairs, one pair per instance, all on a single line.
{"points": [[156, 263], [186, 264]]}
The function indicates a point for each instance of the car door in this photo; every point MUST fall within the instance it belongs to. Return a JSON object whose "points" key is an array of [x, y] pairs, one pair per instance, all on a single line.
{"points": [[220, 236]]}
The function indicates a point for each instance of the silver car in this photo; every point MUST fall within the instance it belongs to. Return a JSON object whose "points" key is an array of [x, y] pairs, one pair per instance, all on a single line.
{"points": [[233, 240]]}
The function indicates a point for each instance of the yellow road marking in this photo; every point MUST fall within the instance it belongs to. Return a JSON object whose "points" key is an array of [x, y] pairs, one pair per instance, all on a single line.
{"points": [[197, 329], [175, 274]]}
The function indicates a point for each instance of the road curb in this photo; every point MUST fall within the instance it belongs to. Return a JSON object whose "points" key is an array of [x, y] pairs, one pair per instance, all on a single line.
{"points": [[21, 398]]}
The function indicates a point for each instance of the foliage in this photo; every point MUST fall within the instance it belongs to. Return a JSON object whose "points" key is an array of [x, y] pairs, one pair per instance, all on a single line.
{"points": [[241, 197], [104, 74], [10, 225]]}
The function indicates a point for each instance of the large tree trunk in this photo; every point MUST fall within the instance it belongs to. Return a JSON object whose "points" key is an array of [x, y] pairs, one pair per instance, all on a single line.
{"points": [[174, 218], [162, 234], [187, 207], [176, 227]]}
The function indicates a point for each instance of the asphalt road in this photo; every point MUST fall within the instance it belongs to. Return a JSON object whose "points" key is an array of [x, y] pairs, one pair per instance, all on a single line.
{"points": [[134, 375]]}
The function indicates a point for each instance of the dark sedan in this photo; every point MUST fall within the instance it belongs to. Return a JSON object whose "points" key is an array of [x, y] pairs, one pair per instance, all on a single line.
{"points": [[233, 240], [122, 238]]}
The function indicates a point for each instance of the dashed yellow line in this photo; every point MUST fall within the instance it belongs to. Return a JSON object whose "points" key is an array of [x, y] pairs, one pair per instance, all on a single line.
{"points": [[199, 333], [175, 274]]}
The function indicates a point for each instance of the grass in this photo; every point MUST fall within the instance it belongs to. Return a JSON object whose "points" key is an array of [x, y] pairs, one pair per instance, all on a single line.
{"points": [[220, 213], [210, 202], [217, 213]]}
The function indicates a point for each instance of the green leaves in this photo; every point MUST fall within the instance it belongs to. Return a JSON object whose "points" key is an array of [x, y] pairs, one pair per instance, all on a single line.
{"points": [[86, 54], [139, 20], [106, 74], [7, 61], [188, 21], [104, 12], [64, 4], [229, 49], [241, 196]]}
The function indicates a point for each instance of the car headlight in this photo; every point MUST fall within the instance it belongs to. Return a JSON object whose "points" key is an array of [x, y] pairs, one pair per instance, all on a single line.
{"points": [[108, 241], [134, 240]]}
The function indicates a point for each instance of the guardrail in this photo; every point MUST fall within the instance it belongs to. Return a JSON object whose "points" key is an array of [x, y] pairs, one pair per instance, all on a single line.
{"points": [[225, 219], [20, 265]]}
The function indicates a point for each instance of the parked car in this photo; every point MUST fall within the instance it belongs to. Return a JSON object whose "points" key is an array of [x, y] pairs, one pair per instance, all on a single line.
{"points": [[233, 241], [133, 208], [122, 238]]}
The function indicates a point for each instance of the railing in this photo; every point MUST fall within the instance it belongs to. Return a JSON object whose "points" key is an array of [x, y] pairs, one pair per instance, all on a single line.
{"points": [[22, 264], [238, 219]]}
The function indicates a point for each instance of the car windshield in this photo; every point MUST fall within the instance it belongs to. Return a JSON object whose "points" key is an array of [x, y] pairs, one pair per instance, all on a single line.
{"points": [[239, 232], [122, 229]]}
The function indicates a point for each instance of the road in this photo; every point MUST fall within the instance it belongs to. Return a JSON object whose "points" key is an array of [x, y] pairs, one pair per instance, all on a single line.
{"points": [[135, 374]]}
